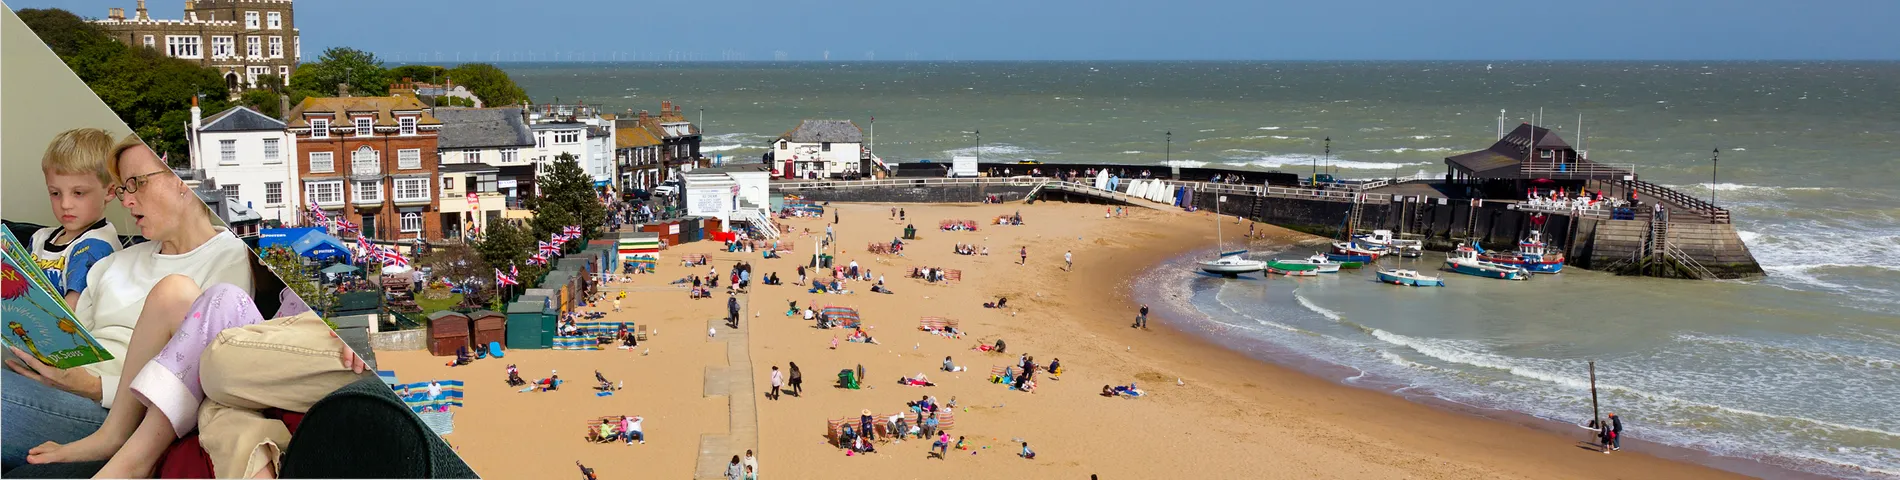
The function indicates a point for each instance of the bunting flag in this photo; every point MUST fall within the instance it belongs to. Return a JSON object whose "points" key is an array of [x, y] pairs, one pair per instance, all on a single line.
{"points": [[571, 231], [368, 249], [318, 216], [512, 271], [547, 248], [346, 226], [503, 279]]}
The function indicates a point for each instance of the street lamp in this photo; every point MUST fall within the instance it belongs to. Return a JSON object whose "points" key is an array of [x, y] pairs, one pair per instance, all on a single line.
{"points": [[979, 145], [1167, 152], [1329, 152], [1714, 165]]}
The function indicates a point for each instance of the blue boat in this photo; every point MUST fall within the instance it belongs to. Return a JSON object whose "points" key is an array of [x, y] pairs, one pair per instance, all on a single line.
{"points": [[1465, 260], [1409, 278], [1531, 255], [1352, 252]]}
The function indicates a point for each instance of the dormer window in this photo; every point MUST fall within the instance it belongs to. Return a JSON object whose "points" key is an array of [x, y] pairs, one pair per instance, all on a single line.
{"points": [[408, 125], [364, 125], [782, 144], [319, 128]]}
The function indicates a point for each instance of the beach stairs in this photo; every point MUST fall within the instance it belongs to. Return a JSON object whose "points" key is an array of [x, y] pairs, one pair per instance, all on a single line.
{"points": [[759, 222]]}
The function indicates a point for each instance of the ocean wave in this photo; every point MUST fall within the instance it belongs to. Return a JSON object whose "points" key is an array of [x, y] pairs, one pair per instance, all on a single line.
{"points": [[1838, 358], [1409, 149], [1269, 128], [1132, 152], [1184, 163], [1242, 157], [723, 148], [1328, 313]]}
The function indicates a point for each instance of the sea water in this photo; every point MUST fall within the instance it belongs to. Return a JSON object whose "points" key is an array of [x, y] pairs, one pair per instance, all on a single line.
{"points": [[1800, 368]]}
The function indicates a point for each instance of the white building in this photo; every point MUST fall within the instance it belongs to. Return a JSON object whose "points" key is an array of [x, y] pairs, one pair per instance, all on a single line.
{"points": [[578, 130], [731, 193], [247, 155], [496, 137], [821, 149]]}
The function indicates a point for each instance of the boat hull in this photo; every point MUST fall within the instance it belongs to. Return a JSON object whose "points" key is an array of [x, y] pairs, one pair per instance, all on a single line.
{"points": [[1488, 271], [1303, 265], [1346, 258], [1395, 279], [1293, 273], [1231, 269], [1541, 265]]}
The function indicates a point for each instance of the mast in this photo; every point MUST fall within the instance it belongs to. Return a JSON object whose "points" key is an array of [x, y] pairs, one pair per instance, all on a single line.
{"points": [[1593, 392]]}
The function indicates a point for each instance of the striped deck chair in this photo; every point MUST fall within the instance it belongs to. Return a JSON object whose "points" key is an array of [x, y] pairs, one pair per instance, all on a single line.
{"points": [[997, 372], [593, 435], [640, 332]]}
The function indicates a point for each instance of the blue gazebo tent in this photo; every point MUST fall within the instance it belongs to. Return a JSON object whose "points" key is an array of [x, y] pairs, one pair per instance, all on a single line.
{"points": [[282, 237], [321, 246]]}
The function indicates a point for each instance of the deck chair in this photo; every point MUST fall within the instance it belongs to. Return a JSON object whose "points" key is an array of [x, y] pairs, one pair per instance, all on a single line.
{"points": [[640, 332]]}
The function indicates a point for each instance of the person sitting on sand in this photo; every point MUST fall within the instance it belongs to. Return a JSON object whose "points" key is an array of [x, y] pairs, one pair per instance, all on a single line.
{"points": [[514, 377], [858, 335], [1055, 367], [586, 473], [847, 436], [863, 445], [999, 348], [1108, 391], [899, 426], [791, 307], [1027, 453], [462, 357], [960, 445], [947, 366]]}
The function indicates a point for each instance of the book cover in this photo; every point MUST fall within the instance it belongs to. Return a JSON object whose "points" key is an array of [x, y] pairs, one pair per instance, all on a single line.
{"points": [[37, 321]]}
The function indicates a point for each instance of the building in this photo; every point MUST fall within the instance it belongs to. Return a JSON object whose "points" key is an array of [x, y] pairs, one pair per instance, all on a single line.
{"points": [[1525, 157], [678, 140], [484, 152], [821, 149], [250, 157], [637, 153], [579, 130], [243, 39], [736, 192], [371, 160]]}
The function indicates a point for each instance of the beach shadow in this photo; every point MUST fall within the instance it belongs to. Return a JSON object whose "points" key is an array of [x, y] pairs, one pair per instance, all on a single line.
{"points": [[1589, 446], [933, 454]]}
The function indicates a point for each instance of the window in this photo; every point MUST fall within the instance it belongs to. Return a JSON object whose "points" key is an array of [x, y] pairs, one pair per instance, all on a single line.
{"points": [[567, 137], [448, 183], [253, 73], [324, 193], [319, 128], [365, 162], [1544, 154], [510, 155], [471, 156], [276, 47], [283, 73], [412, 189], [781, 144], [227, 152], [409, 158], [369, 191], [827, 146], [223, 46], [322, 162], [230, 192], [273, 193], [276, 20], [250, 20], [254, 46], [184, 46], [411, 222], [365, 126], [297, 42], [408, 125], [270, 151], [540, 140], [150, 41]]}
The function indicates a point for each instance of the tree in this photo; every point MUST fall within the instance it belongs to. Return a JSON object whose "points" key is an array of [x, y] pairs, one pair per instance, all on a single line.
{"points": [[150, 92], [362, 70], [489, 83], [299, 277], [420, 73], [263, 101], [567, 198], [505, 244]]}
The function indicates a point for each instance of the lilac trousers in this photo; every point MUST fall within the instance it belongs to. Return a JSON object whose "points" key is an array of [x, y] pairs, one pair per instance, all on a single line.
{"points": [[170, 382]]}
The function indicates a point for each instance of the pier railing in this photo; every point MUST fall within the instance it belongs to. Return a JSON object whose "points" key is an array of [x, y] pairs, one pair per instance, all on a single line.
{"points": [[1576, 170], [1020, 181], [1591, 211], [1376, 183], [1694, 205]]}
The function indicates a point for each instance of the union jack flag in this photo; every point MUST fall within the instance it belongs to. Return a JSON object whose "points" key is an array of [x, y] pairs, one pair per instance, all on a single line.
{"points": [[346, 225], [390, 257], [317, 214], [363, 242], [538, 259], [512, 272], [548, 248], [571, 231], [502, 279]]}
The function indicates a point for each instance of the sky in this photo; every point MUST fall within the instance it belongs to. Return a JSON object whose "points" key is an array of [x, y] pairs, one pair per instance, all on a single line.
{"points": [[640, 30]]}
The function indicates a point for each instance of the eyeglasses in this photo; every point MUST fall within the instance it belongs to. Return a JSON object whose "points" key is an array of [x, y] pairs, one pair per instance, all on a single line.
{"points": [[134, 183]]}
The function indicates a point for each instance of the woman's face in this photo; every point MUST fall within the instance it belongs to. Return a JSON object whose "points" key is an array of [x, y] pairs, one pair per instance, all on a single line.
{"points": [[157, 198]]}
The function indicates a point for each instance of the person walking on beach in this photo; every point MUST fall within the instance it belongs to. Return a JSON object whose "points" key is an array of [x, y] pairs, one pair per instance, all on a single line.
{"points": [[751, 464], [732, 310], [1025, 256], [778, 380], [798, 382], [900, 214], [1068, 261], [1141, 320], [1616, 432], [733, 470], [1605, 435]]}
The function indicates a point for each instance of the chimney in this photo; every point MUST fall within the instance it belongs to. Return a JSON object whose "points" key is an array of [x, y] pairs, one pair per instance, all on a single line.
{"points": [[283, 107], [666, 106], [197, 124], [343, 90], [115, 13], [643, 116], [191, 14], [141, 11]]}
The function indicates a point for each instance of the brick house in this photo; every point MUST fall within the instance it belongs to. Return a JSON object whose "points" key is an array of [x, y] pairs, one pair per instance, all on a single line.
{"points": [[372, 160]]}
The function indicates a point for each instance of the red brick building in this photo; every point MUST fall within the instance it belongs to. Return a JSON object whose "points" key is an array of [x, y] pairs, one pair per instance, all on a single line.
{"points": [[371, 160]]}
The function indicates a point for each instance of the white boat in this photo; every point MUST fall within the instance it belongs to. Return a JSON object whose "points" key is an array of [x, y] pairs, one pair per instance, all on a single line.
{"points": [[1316, 263], [1409, 278], [1465, 260], [1407, 248], [1230, 264]]}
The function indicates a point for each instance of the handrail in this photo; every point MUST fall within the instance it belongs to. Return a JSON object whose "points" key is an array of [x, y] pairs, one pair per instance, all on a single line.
{"points": [[1693, 205], [1591, 212]]}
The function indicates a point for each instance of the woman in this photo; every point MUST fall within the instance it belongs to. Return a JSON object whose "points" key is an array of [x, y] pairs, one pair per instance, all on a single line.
{"points": [[149, 285], [798, 381]]}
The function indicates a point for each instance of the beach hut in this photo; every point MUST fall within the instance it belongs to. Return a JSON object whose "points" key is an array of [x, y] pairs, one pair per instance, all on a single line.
{"points": [[448, 332], [641, 249], [489, 327], [524, 324]]}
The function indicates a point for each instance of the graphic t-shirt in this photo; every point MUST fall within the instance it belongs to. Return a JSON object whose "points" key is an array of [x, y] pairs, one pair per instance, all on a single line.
{"points": [[67, 265]]}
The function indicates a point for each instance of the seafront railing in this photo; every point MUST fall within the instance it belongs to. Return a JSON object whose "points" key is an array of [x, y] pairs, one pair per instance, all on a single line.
{"points": [[1335, 195]]}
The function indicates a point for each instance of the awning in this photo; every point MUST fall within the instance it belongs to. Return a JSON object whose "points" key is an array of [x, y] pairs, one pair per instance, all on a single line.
{"points": [[341, 268], [282, 237], [321, 246]]}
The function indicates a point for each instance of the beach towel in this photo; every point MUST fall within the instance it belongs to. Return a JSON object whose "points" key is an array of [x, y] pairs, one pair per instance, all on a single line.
{"points": [[604, 393]]}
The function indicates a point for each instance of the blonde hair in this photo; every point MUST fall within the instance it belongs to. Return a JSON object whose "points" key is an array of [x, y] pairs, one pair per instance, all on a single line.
{"points": [[81, 151], [130, 141]]}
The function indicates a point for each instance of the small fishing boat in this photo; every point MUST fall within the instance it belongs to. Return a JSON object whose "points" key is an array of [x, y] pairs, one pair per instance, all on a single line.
{"points": [[1465, 260], [1532, 255], [1353, 252], [1409, 278], [1232, 264], [1310, 272], [1316, 263], [1384, 239]]}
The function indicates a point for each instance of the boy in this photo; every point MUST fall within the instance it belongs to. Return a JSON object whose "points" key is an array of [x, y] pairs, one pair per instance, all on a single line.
{"points": [[76, 179]]}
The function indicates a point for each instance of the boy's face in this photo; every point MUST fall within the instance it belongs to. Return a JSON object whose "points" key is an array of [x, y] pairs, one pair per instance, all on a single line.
{"points": [[78, 199]]}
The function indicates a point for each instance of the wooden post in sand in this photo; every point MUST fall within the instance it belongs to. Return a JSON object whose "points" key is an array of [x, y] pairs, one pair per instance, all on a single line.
{"points": [[1593, 392]]}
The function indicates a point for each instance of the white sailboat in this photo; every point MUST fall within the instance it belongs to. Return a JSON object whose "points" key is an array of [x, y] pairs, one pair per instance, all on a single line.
{"points": [[1230, 264]]}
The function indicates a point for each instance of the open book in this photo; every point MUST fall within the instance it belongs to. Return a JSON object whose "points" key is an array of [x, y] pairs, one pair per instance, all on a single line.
{"points": [[38, 321]]}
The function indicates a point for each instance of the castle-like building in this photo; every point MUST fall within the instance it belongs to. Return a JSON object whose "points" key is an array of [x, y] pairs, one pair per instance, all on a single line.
{"points": [[244, 39]]}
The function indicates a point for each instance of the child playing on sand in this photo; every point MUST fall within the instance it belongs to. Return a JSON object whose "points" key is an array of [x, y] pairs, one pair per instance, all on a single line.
{"points": [[1027, 453], [76, 178]]}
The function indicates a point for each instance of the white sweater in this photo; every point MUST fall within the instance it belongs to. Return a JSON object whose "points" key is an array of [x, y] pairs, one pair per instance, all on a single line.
{"points": [[117, 287]]}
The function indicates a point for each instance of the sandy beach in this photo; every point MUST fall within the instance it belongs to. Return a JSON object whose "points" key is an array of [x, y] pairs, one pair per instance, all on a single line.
{"points": [[1230, 416]]}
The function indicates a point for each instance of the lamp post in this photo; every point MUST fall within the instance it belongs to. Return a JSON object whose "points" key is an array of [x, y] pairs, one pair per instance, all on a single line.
{"points": [[1167, 151], [1329, 153], [1714, 165], [979, 145]]}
